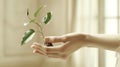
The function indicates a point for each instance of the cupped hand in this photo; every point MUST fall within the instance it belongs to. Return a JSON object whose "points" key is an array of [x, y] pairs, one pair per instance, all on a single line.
{"points": [[69, 44]]}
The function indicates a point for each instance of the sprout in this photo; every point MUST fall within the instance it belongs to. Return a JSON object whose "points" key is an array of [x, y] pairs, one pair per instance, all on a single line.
{"points": [[29, 34]]}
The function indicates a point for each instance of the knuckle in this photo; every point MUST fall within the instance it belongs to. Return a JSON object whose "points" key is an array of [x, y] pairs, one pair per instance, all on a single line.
{"points": [[65, 39], [55, 39]]}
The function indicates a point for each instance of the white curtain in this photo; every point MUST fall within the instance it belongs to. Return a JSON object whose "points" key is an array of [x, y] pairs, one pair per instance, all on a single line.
{"points": [[83, 18], [91, 16]]}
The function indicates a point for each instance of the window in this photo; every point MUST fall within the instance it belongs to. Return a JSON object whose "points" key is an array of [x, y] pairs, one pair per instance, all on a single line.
{"points": [[111, 26], [97, 16]]}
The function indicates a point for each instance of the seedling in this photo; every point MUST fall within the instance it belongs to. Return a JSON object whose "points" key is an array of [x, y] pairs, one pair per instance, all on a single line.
{"points": [[29, 34]]}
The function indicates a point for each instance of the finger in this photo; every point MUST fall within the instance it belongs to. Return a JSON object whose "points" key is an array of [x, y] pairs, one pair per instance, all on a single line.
{"points": [[57, 56], [39, 52], [54, 55], [54, 39], [38, 46], [54, 49], [58, 49]]}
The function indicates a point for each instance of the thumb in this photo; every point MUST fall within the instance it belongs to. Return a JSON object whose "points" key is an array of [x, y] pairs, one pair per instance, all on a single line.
{"points": [[55, 39]]}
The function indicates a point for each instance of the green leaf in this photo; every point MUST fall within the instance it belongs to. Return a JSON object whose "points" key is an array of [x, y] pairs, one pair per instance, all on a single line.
{"points": [[47, 18], [37, 11], [28, 35]]}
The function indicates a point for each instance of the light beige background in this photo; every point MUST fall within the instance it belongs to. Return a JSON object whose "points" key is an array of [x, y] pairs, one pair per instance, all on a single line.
{"points": [[12, 18]]}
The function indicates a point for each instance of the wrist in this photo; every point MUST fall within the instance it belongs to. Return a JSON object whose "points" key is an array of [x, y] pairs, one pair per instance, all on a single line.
{"points": [[89, 40], [84, 40]]}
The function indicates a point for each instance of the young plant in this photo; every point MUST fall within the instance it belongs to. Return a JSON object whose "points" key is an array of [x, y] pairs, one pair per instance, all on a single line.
{"points": [[29, 34]]}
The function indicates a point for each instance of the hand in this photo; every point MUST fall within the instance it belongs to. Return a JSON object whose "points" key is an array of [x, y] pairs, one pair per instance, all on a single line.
{"points": [[70, 43]]}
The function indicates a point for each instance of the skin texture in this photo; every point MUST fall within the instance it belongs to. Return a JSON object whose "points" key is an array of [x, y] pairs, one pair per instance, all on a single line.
{"points": [[74, 41]]}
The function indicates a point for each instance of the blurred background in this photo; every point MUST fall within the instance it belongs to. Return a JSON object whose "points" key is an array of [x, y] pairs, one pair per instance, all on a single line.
{"points": [[84, 16]]}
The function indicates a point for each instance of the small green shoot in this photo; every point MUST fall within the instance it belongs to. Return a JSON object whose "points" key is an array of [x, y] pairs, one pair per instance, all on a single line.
{"points": [[29, 34]]}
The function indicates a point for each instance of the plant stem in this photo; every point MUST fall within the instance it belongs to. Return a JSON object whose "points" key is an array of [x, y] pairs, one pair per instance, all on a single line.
{"points": [[41, 29]]}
